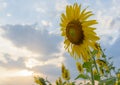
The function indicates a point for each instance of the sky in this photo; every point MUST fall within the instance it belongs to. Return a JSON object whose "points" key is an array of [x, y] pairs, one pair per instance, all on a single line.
{"points": [[30, 40]]}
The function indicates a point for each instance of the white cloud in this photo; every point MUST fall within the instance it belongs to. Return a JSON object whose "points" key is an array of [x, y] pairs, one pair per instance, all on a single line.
{"points": [[32, 62], [56, 57], [35, 40], [15, 73], [7, 47], [60, 5], [3, 5], [46, 23], [8, 14], [108, 27], [23, 45], [38, 9]]}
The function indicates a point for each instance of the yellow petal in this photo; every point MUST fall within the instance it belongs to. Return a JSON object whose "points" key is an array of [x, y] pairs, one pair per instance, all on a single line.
{"points": [[89, 23], [82, 14], [86, 15], [67, 43], [63, 33], [69, 12], [77, 11]]}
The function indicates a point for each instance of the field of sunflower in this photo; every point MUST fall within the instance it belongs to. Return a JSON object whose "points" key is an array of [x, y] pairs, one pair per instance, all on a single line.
{"points": [[81, 42]]}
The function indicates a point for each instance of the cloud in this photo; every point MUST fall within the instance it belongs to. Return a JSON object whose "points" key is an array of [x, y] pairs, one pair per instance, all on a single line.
{"points": [[70, 64], [25, 47], [108, 19], [114, 51], [109, 29], [32, 62], [34, 40], [8, 48], [3, 5], [13, 64], [46, 23], [50, 71], [60, 5], [46, 48]]}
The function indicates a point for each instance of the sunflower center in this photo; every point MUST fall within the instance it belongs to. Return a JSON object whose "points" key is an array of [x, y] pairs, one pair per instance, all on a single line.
{"points": [[74, 32]]}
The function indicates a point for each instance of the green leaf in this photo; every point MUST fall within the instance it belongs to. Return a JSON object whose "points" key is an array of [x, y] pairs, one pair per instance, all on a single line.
{"points": [[110, 81], [88, 70], [64, 83], [87, 65], [94, 52], [103, 56], [42, 80], [73, 83], [97, 77], [83, 76]]}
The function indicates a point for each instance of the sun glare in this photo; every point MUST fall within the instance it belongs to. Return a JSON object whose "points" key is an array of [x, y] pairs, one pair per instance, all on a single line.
{"points": [[24, 73], [33, 62]]}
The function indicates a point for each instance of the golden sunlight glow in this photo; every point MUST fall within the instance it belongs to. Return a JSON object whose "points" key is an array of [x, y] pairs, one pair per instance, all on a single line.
{"points": [[31, 62], [15, 73], [24, 73]]}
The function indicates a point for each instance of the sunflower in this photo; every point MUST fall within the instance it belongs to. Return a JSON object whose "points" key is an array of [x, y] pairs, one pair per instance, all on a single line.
{"points": [[98, 48], [79, 67], [65, 73], [101, 63], [39, 80], [59, 81], [94, 71], [79, 36]]}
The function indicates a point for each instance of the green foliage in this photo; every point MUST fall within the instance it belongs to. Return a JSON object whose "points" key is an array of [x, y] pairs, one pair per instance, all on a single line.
{"points": [[102, 66], [109, 81], [83, 76], [97, 77], [87, 65]]}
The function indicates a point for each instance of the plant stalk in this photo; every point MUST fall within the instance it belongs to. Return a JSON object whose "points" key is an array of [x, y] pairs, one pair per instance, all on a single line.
{"points": [[95, 65], [92, 76]]}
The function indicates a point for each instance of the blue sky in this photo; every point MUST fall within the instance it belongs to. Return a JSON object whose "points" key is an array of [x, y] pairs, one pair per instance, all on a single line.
{"points": [[31, 42]]}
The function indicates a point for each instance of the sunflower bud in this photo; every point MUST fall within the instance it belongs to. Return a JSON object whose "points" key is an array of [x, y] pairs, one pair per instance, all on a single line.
{"points": [[79, 67], [65, 73], [39, 80]]}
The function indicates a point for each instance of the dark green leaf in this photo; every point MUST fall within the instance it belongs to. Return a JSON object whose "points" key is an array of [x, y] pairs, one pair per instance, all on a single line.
{"points": [[104, 56], [42, 81]]}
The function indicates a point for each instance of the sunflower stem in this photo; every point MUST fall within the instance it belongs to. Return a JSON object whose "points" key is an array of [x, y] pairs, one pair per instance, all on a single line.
{"points": [[92, 76], [95, 65]]}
